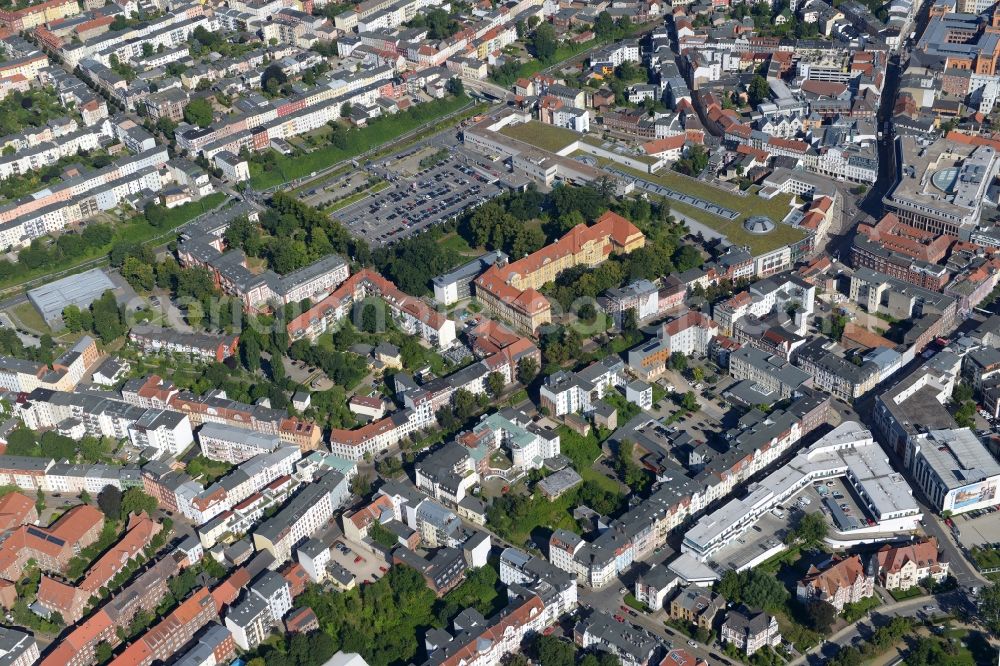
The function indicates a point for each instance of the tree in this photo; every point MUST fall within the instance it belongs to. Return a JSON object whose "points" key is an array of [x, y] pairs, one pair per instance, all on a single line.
{"points": [[678, 361], [103, 651], [820, 615], [554, 652], [109, 501], [272, 79], [22, 442], [136, 501], [455, 86], [604, 25], [199, 112], [687, 257], [630, 321], [72, 318], [138, 274], [694, 163], [837, 325], [758, 90], [108, 324], [812, 529], [989, 606], [527, 369], [495, 383], [382, 536], [250, 351], [361, 485], [698, 375], [544, 42]]}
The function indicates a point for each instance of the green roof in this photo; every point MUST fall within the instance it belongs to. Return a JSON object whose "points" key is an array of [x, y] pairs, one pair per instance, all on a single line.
{"points": [[775, 208], [540, 135]]}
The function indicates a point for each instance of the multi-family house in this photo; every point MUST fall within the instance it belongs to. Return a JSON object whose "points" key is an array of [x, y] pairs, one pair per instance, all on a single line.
{"points": [[696, 605], [750, 631], [901, 567], [844, 581]]}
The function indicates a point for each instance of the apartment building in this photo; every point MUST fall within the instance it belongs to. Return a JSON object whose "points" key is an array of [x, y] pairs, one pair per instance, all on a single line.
{"points": [[50, 547], [81, 197], [251, 477], [20, 376], [205, 346], [697, 606], [301, 517], [641, 298], [267, 601], [690, 333], [527, 443], [258, 290], [233, 445], [70, 601], [568, 393], [166, 431], [412, 314], [476, 639], [167, 637], [510, 292], [771, 376], [775, 293], [633, 645]]}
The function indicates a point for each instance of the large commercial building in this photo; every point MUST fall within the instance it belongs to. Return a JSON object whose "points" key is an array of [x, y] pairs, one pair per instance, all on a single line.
{"points": [[80, 290], [955, 470], [847, 452], [941, 188]]}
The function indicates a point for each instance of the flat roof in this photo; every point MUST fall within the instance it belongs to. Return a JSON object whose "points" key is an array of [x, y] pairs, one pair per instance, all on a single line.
{"points": [[847, 449], [80, 290]]}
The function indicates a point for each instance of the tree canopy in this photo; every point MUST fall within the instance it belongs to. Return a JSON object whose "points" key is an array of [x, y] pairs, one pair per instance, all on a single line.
{"points": [[198, 112]]}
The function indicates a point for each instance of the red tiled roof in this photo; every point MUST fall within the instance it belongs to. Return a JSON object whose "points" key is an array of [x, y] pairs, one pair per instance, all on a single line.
{"points": [[663, 145], [14, 510]]}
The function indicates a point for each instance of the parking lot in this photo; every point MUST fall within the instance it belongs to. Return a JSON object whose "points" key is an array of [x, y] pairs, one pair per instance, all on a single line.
{"points": [[416, 202], [359, 560], [838, 503], [978, 527]]}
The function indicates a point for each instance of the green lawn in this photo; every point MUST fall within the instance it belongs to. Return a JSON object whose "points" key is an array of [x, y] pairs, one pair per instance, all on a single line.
{"points": [[380, 131], [986, 558], [630, 600], [748, 206], [30, 317], [452, 242], [902, 595], [540, 135], [584, 452]]}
